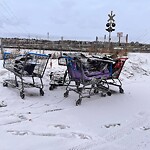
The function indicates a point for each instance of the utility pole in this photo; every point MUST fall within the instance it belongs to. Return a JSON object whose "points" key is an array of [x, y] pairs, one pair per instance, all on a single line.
{"points": [[47, 35], [110, 26], [119, 35], [126, 43], [1, 47]]}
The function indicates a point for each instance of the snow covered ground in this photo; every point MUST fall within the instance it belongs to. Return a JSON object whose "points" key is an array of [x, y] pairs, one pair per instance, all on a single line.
{"points": [[52, 122]]}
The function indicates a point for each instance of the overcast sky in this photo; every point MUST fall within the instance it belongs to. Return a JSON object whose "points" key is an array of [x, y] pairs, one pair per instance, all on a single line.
{"points": [[74, 19]]}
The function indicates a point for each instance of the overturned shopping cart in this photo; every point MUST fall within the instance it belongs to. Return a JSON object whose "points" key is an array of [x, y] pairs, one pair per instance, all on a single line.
{"points": [[29, 65], [57, 78]]}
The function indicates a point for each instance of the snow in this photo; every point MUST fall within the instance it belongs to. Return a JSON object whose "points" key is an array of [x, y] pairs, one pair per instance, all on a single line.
{"points": [[52, 122]]}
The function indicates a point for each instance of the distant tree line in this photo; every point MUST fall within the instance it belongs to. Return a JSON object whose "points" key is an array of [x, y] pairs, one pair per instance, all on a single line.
{"points": [[69, 45]]}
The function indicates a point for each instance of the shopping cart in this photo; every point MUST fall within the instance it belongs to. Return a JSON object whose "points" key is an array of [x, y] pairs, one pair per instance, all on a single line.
{"points": [[29, 65], [57, 78], [79, 71], [116, 69]]}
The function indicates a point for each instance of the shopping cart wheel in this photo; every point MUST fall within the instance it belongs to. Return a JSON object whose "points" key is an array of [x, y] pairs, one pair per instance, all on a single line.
{"points": [[78, 102], [103, 94], [66, 94], [17, 85], [41, 92], [22, 95], [5, 84], [121, 90], [51, 87], [109, 93], [95, 91]]}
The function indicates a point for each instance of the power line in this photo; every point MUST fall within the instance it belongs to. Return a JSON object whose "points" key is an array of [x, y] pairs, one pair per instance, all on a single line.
{"points": [[12, 18]]}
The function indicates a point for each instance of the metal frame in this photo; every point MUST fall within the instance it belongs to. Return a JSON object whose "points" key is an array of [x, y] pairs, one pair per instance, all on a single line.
{"points": [[36, 62]]}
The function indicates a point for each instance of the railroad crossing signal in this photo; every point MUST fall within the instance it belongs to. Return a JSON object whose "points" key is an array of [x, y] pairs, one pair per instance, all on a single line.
{"points": [[110, 25], [111, 17], [111, 22]]}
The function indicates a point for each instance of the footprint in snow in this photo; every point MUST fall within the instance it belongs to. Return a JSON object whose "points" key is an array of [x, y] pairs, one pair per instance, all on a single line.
{"points": [[65, 135], [112, 125]]}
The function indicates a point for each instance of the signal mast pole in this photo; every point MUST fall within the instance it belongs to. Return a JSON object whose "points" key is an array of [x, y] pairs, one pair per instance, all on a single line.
{"points": [[110, 26]]}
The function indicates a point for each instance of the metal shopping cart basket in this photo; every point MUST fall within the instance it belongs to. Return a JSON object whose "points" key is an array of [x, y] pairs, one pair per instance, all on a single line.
{"points": [[85, 79], [29, 65], [116, 69]]}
